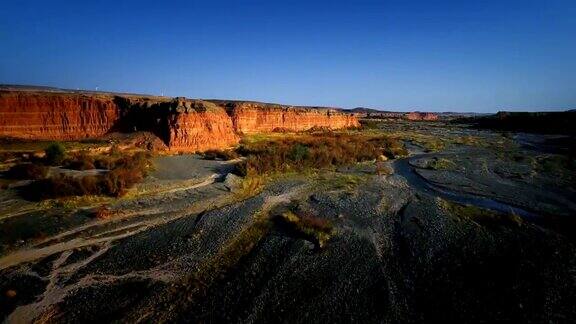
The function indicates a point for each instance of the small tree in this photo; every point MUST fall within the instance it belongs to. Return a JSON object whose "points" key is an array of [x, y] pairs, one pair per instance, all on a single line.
{"points": [[55, 153]]}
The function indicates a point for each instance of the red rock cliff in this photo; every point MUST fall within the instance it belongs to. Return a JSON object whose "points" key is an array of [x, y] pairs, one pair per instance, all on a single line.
{"points": [[184, 125], [256, 117], [54, 116], [197, 125], [421, 116]]}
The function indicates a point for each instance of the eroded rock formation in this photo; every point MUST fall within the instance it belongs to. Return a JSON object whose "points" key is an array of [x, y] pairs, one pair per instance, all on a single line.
{"points": [[199, 125], [416, 115], [251, 117], [53, 116], [185, 125]]}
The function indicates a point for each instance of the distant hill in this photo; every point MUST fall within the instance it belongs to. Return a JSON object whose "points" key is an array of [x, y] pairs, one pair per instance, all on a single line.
{"points": [[558, 122], [368, 110]]}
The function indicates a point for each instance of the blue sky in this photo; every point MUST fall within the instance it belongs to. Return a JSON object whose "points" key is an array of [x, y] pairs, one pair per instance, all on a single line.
{"points": [[399, 55]]}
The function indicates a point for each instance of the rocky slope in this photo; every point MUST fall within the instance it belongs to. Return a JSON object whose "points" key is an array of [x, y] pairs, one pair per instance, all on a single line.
{"points": [[184, 125]]}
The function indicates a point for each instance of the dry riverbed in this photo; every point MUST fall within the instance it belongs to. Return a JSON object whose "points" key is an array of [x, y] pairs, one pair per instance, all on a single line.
{"points": [[329, 246]]}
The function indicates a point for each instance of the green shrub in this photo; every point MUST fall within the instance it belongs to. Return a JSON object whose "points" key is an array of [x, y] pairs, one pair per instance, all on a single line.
{"points": [[55, 153], [298, 152]]}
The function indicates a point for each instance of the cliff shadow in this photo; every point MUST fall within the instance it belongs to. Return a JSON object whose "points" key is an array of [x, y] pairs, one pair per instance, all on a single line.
{"points": [[145, 115]]}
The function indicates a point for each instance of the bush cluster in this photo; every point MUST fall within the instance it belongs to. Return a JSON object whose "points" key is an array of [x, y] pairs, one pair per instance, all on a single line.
{"points": [[55, 154], [83, 161], [125, 173], [317, 150]]}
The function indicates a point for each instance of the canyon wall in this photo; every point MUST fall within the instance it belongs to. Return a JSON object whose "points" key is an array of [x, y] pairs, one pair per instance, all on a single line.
{"points": [[199, 126], [52, 116], [250, 117], [184, 125], [421, 116]]}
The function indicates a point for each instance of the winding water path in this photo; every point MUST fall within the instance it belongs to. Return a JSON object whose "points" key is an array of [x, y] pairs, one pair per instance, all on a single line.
{"points": [[403, 168]]}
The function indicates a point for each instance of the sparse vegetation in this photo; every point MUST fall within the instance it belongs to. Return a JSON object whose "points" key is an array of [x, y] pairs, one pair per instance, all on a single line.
{"points": [[314, 151], [250, 186], [468, 140], [481, 216], [340, 181], [319, 230], [370, 124], [441, 164], [126, 172]]}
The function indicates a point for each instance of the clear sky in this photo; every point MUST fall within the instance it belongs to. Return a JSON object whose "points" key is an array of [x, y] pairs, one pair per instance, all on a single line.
{"points": [[399, 55]]}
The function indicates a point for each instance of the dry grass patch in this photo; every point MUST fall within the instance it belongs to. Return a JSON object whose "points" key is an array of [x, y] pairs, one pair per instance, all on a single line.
{"points": [[481, 216], [250, 186], [316, 229], [324, 150], [441, 164], [126, 172]]}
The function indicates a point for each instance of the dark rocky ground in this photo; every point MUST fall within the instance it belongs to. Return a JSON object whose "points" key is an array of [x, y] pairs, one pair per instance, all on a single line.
{"points": [[400, 251]]}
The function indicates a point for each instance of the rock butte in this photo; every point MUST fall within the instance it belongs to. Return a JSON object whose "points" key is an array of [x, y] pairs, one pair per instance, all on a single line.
{"points": [[185, 125], [415, 115]]}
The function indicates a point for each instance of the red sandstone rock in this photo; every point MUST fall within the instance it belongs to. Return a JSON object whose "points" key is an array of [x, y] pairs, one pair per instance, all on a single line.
{"points": [[184, 125], [256, 117], [51, 116], [200, 126], [421, 116]]}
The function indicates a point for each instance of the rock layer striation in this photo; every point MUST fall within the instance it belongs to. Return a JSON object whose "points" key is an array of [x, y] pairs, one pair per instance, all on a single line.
{"points": [[253, 117], [55, 116]]}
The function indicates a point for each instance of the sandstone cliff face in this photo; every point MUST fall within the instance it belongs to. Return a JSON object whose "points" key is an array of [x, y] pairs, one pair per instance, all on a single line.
{"points": [[421, 116], [199, 126], [255, 117], [184, 125], [55, 116]]}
